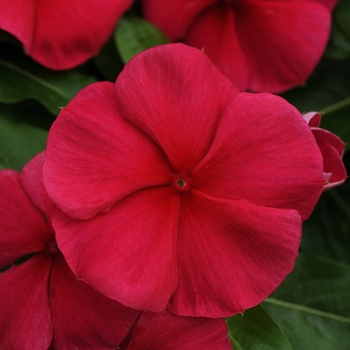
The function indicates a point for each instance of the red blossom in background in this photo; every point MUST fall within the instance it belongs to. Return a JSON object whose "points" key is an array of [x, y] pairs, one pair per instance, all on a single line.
{"points": [[332, 149], [261, 45], [176, 190], [61, 34], [167, 331], [42, 302]]}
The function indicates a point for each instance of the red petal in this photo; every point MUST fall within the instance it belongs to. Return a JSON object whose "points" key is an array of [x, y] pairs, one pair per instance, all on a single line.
{"points": [[129, 253], [23, 228], [94, 157], [61, 34], [263, 152], [231, 254], [332, 164], [174, 17], [283, 40], [176, 96], [329, 3], [330, 139], [25, 320], [313, 119], [214, 30], [82, 317], [32, 180], [17, 18], [166, 331]]}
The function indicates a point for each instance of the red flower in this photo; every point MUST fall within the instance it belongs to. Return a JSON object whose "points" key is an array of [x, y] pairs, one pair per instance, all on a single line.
{"points": [[173, 185], [61, 34], [166, 331], [332, 149], [42, 302], [261, 45]]}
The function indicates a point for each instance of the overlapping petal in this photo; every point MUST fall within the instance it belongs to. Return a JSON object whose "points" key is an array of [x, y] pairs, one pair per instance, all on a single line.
{"points": [[268, 46], [265, 153], [61, 34], [332, 149], [129, 253], [95, 321], [176, 17], [23, 228], [231, 254], [176, 96], [25, 320], [32, 180], [166, 331], [283, 41], [94, 157], [225, 50]]}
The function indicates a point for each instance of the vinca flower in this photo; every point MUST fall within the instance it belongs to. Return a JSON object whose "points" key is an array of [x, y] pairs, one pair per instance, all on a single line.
{"points": [[332, 148], [174, 190], [61, 34], [43, 305], [261, 45]]}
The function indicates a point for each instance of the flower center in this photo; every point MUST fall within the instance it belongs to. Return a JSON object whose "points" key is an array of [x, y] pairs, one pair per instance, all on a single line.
{"points": [[52, 247], [182, 182]]}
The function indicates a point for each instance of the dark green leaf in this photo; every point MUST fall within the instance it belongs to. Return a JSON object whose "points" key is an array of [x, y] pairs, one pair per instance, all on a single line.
{"points": [[255, 329], [339, 43], [21, 78], [108, 62], [327, 232], [19, 141], [312, 306], [327, 91], [134, 35]]}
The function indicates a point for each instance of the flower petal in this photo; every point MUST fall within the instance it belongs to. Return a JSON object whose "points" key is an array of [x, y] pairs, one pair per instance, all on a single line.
{"points": [[231, 254], [329, 3], [175, 17], [82, 317], [17, 17], [21, 237], [32, 180], [94, 157], [177, 97], [329, 138], [313, 119], [283, 40], [25, 320], [214, 31], [166, 331], [332, 164], [263, 152], [38, 25], [128, 253]]}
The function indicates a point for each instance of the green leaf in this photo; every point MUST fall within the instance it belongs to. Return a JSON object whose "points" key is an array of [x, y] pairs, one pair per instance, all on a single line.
{"points": [[339, 43], [326, 232], [21, 79], [312, 305], [327, 91], [19, 141], [108, 62], [255, 329], [134, 35]]}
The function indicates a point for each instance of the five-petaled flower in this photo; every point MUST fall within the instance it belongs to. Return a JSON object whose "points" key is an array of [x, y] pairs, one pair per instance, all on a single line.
{"points": [[61, 34], [332, 149], [43, 305], [260, 45], [175, 190]]}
